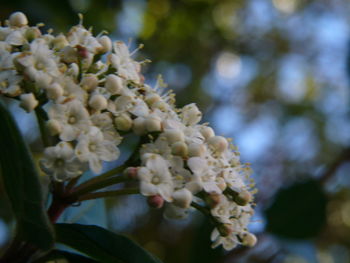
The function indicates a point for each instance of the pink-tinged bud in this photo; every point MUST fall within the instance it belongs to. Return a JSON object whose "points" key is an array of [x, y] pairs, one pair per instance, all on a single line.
{"points": [[82, 51], [155, 201], [131, 172]]}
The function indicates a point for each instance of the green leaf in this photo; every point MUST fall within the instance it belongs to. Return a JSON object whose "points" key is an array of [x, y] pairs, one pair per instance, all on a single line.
{"points": [[59, 255], [298, 211], [102, 244], [22, 185]]}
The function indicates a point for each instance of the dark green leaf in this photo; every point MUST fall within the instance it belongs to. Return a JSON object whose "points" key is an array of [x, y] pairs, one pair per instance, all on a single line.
{"points": [[102, 244], [22, 185], [298, 211], [56, 255]]}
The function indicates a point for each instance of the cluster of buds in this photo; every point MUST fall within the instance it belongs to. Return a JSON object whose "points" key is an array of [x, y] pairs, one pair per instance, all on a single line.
{"points": [[91, 93]]}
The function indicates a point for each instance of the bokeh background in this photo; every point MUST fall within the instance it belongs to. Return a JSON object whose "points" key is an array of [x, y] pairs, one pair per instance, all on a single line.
{"points": [[271, 74]]}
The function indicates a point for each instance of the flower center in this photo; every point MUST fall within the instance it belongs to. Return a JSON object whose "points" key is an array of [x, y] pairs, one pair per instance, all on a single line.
{"points": [[72, 120], [92, 147], [155, 179], [59, 162]]}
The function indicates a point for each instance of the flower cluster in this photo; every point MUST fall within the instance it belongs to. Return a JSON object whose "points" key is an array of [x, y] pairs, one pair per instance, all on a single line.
{"points": [[90, 92]]}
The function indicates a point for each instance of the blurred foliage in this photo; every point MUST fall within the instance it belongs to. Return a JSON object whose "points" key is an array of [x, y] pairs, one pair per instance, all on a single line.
{"points": [[269, 73]]}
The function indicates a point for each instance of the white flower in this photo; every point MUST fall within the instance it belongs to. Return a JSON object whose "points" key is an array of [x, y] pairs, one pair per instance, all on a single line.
{"points": [[39, 61], [60, 162], [78, 35], [121, 61], [9, 82], [203, 174], [229, 242], [191, 114], [105, 123], [73, 118], [155, 178], [93, 148]]}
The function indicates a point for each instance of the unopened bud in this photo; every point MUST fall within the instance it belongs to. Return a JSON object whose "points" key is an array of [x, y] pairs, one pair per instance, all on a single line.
{"points": [[248, 239], [131, 172], [114, 84], [98, 102], [218, 143], [155, 201], [152, 98], [213, 199], [182, 198], [69, 54], [243, 198], [161, 105], [82, 51], [225, 229], [174, 135], [28, 102], [153, 124], [139, 126], [60, 42], [73, 69], [89, 82], [180, 149], [18, 19], [207, 132], [106, 44], [54, 127], [32, 33], [196, 149], [54, 91], [123, 122]]}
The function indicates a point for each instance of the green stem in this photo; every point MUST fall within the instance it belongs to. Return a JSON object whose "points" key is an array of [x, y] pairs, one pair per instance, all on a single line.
{"points": [[42, 127], [119, 192], [200, 208], [101, 179], [84, 189]]}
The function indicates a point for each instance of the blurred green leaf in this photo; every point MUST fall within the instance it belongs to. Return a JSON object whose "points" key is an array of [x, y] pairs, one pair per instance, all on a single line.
{"points": [[102, 244], [298, 211], [22, 185], [57, 255]]}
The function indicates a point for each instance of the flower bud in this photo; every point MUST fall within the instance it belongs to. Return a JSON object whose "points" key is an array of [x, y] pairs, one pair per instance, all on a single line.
{"points": [[191, 114], [18, 19], [213, 199], [139, 126], [28, 102], [161, 105], [218, 143], [174, 135], [123, 122], [207, 132], [182, 198], [98, 102], [54, 127], [106, 44], [54, 91], [248, 239], [73, 70], [60, 42], [153, 124], [114, 84], [69, 54], [82, 51], [196, 149], [221, 183], [89, 82], [225, 229], [243, 198], [32, 33], [155, 201], [152, 98], [180, 149], [131, 172]]}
